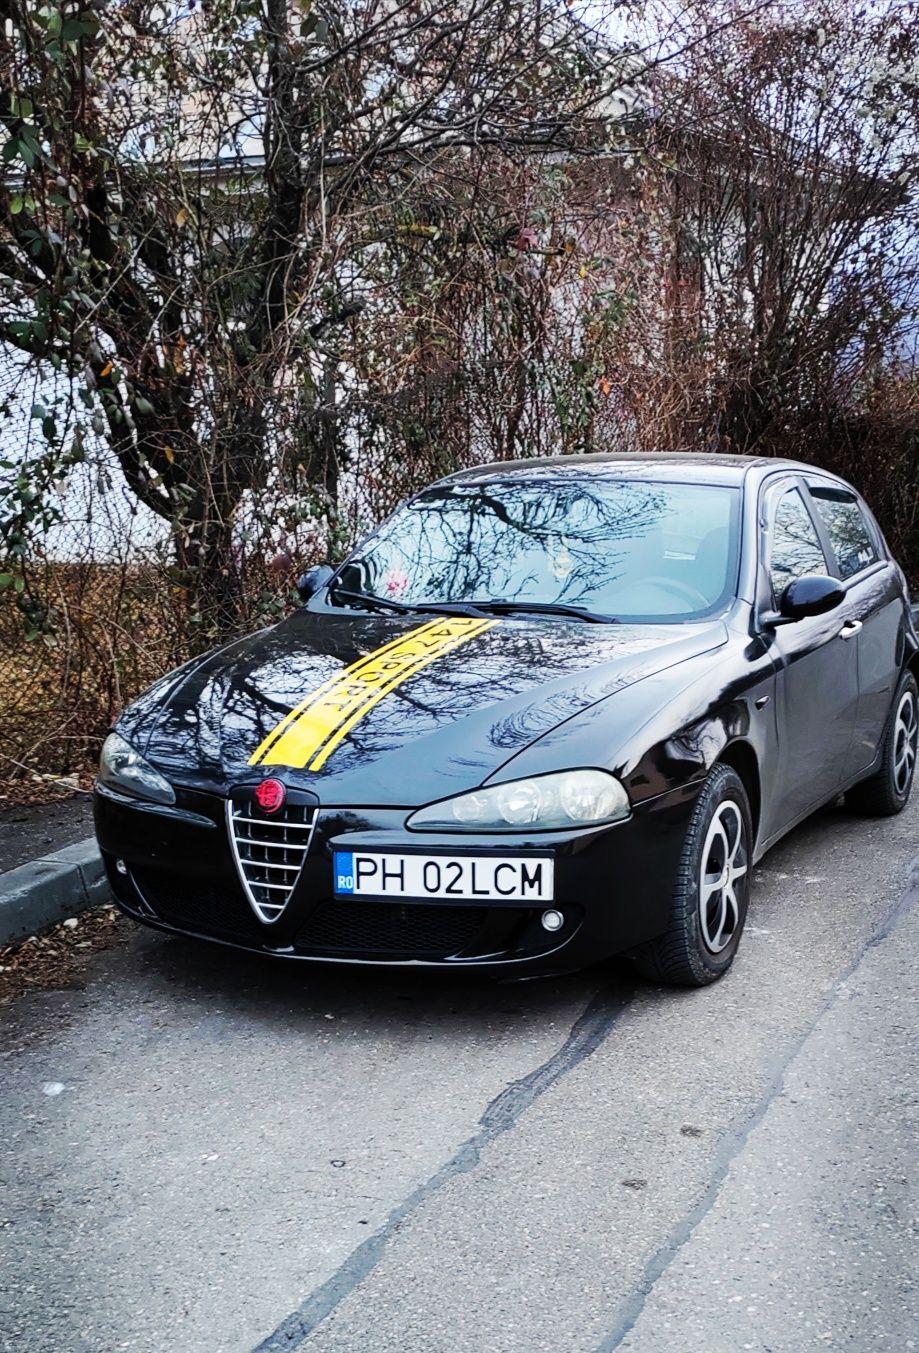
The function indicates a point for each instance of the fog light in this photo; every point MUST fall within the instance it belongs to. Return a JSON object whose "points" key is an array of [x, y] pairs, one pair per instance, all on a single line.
{"points": [[121, 866], [552, 920]]}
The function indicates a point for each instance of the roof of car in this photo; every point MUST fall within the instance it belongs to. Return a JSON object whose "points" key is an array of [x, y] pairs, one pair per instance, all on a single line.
{"points": [[703, 465]]}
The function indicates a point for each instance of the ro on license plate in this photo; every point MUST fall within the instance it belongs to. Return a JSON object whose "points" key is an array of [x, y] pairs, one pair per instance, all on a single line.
{"points": [[497, 878]]}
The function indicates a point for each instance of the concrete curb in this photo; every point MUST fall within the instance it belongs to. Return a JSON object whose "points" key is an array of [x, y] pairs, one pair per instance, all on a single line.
{"points": [[50, 889]]}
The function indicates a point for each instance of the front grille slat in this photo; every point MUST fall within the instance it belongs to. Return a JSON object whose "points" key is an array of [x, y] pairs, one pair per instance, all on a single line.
{"points": [[272, 845], [269, 864], [271, 822], [268, 859], [294, 867]]}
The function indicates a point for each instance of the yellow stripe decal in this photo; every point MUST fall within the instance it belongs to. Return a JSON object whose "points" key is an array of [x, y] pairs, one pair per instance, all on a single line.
{"points": [[309, 734]]}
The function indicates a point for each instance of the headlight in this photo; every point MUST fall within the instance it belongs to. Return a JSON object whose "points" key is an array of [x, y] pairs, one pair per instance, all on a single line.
{"points": [[570, 798], [123, 769]]}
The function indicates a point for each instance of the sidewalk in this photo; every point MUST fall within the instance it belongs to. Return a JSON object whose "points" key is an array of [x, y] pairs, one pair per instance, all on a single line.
{"points": [[49, 866]]}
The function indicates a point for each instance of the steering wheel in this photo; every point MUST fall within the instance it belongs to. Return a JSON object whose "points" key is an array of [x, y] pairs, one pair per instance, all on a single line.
{"points": [[696, 599]]}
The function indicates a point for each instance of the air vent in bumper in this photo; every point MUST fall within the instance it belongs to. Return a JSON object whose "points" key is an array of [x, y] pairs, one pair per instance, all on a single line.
{"points": [[201, 907], [409, 931]]}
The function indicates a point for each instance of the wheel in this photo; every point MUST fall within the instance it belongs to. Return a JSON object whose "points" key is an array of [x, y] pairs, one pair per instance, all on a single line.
{"points": [[711, 892], [886, 792]]}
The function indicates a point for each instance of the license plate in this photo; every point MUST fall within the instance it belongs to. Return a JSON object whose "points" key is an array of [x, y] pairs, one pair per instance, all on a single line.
{"points": [[492, 878]]}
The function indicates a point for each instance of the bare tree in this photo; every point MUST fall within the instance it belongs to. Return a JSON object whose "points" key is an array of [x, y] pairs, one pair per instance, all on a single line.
{"points": [[202, 206], [778, 264]]}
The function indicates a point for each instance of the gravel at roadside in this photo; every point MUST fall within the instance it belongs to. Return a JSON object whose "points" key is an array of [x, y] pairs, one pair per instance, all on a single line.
{"points": [[56, 959]]}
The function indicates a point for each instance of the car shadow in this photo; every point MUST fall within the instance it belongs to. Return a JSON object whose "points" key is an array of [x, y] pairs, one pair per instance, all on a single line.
{"points": [[819, 825], [289, 992], [272, 991]]}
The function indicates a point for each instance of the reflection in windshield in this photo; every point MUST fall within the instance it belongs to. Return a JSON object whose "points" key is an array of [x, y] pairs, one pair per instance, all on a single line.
{"points": [[629, 548]]}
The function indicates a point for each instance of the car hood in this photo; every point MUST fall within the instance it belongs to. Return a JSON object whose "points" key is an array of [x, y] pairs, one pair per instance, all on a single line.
{"points": [[384, 710]]}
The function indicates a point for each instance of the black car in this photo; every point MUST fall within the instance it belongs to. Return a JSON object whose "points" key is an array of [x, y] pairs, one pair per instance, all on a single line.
{"points": [[550, 711]]}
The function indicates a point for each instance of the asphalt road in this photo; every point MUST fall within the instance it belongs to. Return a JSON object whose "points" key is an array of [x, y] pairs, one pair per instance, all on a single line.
{"points": [[31, 830], [203, 1154]]}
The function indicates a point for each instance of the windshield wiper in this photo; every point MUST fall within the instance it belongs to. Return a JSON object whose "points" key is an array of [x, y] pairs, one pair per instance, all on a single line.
{"points": [[488, 605], [372, 603], [543, 608], [405, 608]]}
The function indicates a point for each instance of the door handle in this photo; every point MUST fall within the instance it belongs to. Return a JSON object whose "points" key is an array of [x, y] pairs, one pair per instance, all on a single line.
{"points": [[850, 629]]}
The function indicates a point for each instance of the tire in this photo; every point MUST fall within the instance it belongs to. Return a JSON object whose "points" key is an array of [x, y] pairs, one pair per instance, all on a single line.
{"points": [[699, 945], [886, 792]]}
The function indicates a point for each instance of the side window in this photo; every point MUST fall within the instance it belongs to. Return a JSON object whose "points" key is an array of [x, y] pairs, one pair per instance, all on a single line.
{"points": [[850, 535], [796, 547]]}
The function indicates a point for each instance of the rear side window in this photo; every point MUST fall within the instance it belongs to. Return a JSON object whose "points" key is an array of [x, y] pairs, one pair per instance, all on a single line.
{"points": [[796, 547], [851, 537]]}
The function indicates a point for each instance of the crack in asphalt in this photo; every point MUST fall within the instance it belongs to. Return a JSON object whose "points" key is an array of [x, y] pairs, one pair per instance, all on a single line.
{"points": [[734, 1142], [588, 1032]]}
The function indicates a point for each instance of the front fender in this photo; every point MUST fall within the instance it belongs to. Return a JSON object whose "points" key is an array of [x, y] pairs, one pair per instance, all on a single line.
{"points": [[666, 733]]}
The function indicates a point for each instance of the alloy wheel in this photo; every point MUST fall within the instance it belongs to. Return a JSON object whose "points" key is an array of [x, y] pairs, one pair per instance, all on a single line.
{"points": [[725, 860], [904, 744]]}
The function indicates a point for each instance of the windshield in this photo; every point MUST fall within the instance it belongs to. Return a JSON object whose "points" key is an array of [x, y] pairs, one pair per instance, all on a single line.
{"points": [[622, 548]]}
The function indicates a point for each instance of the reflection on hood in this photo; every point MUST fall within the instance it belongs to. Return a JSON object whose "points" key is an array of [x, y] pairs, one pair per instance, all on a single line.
{"points": [[373, 709]]}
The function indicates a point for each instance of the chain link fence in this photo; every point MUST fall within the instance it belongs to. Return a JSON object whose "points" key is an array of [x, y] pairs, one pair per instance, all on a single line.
{"points": [[85, 618]]}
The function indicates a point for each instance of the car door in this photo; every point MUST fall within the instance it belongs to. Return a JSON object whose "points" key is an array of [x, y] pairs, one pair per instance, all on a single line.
{"points": [[874, 603], [816, 666]]}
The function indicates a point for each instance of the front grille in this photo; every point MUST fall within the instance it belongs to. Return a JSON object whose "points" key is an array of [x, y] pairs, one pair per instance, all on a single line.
{"points": [[269, 851], [190, 904], [413, 931]]}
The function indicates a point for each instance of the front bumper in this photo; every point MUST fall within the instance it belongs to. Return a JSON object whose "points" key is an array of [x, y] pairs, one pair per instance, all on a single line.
{"points": [[175, 871]]}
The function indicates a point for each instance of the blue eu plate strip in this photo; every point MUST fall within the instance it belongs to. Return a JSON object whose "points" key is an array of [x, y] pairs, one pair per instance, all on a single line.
{"points": [[344, 871]]}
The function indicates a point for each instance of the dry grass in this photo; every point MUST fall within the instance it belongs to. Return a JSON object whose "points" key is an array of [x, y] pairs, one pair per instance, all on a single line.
{"points": [[110, 632]]}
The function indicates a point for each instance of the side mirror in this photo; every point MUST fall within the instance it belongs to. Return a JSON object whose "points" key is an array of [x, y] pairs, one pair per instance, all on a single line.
{"points": [[814, 594], [309, 583]]}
